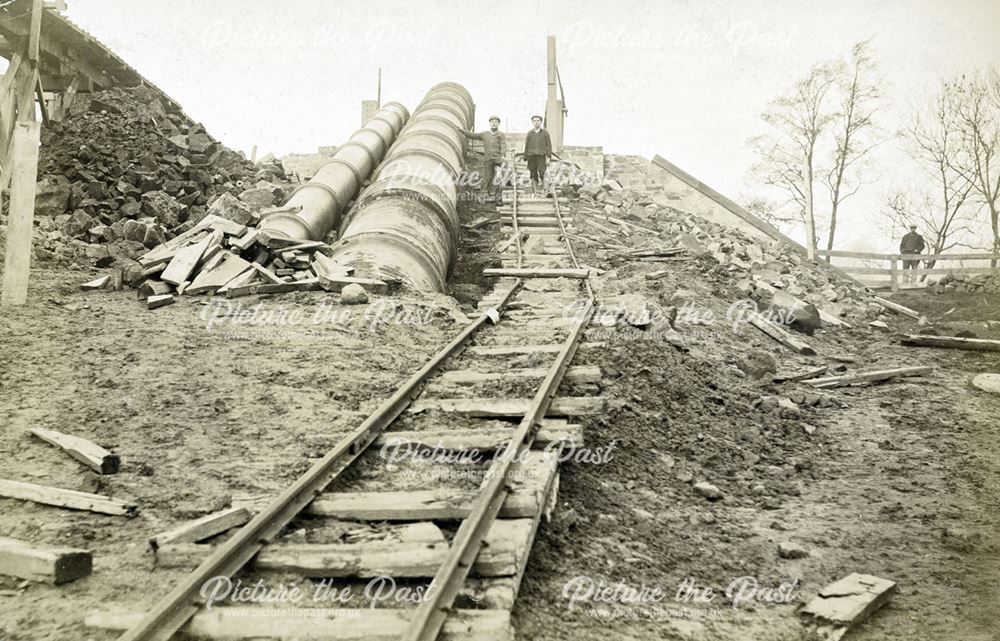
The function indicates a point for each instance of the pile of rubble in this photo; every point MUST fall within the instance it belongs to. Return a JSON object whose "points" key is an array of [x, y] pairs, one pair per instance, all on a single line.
{"points": [[124, 172], [220, 256], [967, 283], [770, 272]]}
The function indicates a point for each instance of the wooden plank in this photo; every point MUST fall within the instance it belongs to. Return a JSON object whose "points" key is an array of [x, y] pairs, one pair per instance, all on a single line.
{"points": [[536, 272], [267, 274], [492, 407], [212, 279], [896, 307], [35, 30], [54, 565], [184, 261], [240, 280], [308, 285], [337, 283], [22, 167], [801, 376], [531, 478], [70, 499], [499, 556], [90, 454], [850, 600], [160, 300], [863, 377], [508, 350], [382, 623], [951, 342], [837, 253], [574, 374], [97, 283], [780, 335], [244, 242], [551, 432], [203, 528]]}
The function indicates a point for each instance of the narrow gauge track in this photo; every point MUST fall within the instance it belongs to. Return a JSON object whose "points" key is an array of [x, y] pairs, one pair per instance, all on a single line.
{"points": [[365, 512]]}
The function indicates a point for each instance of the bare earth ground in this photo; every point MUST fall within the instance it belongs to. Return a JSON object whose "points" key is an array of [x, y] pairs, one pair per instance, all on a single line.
{"points": [[899, 480]]}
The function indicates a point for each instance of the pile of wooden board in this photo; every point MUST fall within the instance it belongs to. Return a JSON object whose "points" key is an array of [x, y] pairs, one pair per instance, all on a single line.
{"points": [[221, 257]]}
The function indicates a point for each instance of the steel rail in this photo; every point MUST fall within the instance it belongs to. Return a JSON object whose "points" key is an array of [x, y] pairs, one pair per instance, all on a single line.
{"points": [[180, 604], [430, 615]]}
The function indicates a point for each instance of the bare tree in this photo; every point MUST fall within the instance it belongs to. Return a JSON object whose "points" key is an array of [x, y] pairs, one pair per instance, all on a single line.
{"points": [[789, 152], [977, 106], [824, 127], [942, 212], [854, 131]]}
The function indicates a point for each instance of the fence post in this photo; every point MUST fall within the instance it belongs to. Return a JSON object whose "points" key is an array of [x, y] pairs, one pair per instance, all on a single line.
{"points": [[893, 274]]}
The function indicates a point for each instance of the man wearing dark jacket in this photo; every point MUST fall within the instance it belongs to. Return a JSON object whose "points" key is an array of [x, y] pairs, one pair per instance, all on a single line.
{"points": [[494, 151], [912, 243], [537, 149]]}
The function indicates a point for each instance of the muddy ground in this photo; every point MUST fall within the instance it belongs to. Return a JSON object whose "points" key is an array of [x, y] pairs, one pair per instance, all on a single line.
{"points": [[898, 480]]}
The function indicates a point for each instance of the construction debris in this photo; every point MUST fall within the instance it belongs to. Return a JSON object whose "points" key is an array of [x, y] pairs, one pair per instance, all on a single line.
{"points": [[126, 170], [93, 456], [847, 602], [780, 335], [896, 307], [43, 564], [203, 528], [987, 383], [70, 499], [952, 342], [868, 377]]}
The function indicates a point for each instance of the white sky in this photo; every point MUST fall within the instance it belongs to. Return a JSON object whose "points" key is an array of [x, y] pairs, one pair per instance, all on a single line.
{"points": [[683, 78]]}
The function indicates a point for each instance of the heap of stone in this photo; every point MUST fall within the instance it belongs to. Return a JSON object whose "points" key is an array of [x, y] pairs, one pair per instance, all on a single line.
{"points": [[967, 283], [770, 271], [124, 172]]}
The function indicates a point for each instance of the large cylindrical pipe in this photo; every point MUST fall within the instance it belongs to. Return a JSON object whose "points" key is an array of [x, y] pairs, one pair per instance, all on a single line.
{"points": [[315, 207], [404, 226]]}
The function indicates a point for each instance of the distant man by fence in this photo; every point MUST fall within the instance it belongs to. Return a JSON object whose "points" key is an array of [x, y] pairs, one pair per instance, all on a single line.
{"points": [[912, 243], [494, 151]]}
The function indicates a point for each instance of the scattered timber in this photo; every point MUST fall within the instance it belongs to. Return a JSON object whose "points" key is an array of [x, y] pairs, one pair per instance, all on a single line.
{"points": [[43, 564], [70, 499], [90, 454], [868, 377], [896, 307], [951, 342], [203, 528], [847, 602], [780, 335]]}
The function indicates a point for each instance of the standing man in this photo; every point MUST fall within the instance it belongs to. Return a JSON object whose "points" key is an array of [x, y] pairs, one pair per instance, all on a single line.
{"points": [[912, 243], [494, 151], [537, 149]]}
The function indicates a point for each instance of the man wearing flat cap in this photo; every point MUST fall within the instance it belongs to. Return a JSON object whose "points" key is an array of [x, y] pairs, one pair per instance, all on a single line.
{"points": [[494, 151], [537, 149], [912, 243]]}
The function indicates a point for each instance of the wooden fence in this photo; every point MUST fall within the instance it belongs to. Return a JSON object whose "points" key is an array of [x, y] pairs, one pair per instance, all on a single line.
{"points": [[895, 264]]}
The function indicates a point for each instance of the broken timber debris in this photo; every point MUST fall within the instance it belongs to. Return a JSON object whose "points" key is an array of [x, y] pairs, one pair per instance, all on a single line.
{"points": [[847, 602], [203, 528], [868, 377], [780, 335], [364, 624], [70, 499], [952, 342], [90, 454], [536, 272], [896, 307], [42, 564], [800, 376]]}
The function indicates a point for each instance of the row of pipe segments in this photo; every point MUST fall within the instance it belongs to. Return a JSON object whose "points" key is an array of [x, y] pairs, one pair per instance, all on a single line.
{"points": [[404, 226]]}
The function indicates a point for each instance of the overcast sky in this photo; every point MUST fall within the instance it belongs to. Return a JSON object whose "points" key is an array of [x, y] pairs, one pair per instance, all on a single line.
{"points": [[686, 79]]}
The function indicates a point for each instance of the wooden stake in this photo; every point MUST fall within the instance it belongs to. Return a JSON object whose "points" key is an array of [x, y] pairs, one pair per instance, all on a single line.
{"points": [[24, 168]]}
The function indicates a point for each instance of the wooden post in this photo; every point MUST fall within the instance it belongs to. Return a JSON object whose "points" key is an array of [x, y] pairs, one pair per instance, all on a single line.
{"points": [[24, 167], [553, 109], [893, 274]]}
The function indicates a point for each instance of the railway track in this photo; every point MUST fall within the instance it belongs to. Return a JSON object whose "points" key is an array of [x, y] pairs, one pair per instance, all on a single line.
{"points": [[421, 520]]}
